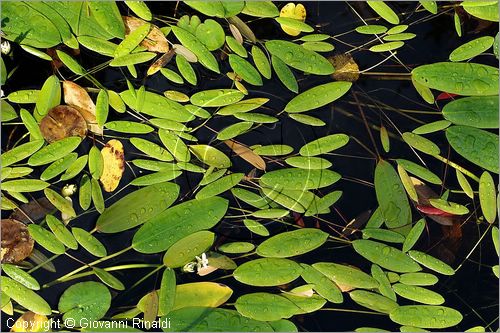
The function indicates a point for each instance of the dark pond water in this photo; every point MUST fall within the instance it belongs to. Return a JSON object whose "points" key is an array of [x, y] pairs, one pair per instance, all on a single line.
{"points": [[473, 291]]}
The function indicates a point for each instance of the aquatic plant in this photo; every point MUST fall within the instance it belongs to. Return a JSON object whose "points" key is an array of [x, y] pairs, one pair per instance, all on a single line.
{"points": [[230, 231]]}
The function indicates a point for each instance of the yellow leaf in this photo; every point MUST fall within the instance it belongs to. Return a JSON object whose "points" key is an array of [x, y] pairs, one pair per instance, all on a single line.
{"points": [[293, 11], [155, 41], [31, 322], [114, 165]]}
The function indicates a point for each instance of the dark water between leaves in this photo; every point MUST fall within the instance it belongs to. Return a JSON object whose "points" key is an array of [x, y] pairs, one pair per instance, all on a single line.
{"points": [[472, 290]]}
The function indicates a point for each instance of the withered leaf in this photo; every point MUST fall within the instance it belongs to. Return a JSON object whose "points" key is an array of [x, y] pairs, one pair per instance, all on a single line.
{"points": [[61, 122], [77, 97], [346, 69], [114, 165], [155, 41], [17, 243], [247, 154]]}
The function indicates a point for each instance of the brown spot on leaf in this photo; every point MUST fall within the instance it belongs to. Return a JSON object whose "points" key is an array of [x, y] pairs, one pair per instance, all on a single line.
{"points": [[17, 243], [61, 122]]}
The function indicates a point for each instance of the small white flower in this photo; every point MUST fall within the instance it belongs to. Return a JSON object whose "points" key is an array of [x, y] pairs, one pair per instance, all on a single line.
{"points": [[68, 190], [202, 262], [5, 47], [189, 267]]}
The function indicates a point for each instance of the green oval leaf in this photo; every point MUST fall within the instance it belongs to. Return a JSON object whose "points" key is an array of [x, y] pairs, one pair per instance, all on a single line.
{"points": [[480, 112], [468, 79], [20, 276], [46, 239], [318, 96], [292, 243], [385, 256], [487, 197], [431, 262], [267, 272], [265, 306], [185, 249], [61, 232], [24, 296], [426, 316], [344, 275], [324, 145], [418, 279], [299, 179], [89, 242], [185, 218]]}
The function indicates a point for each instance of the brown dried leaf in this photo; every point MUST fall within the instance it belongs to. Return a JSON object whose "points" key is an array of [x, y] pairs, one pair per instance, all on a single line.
{"points": [[61, 122], [17, 243], [77, 97], [162, 61], [236, 33], [346, 69], [155, 41], [114, 165], [33, 211], [247, 154]]}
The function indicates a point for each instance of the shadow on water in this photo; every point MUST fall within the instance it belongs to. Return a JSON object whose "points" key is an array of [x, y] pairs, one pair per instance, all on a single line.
{"points": [[472, 288]]}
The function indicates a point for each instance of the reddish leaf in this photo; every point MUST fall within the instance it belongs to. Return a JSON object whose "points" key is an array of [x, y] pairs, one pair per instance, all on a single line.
{"points": [[445, 95]]}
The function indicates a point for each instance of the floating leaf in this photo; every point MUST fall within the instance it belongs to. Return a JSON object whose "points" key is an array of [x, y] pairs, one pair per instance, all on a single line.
{"points": [[318, 96], [131, 127], [157, 177], [245, 70], [385, 256], [285, 74], [140, 9], [211, 34], [419, 171], [471, 79], [386, 47], [485, 10], [205, 319], [371, 29], [61, 232], [175, 145], [24, 185], [391, 196], [475, 145], [423, 91], [373, 301], [431, 262], [132, 40], [20, 276], [324, 145], [418, 279], [292, 243], [261, 62], [234, 130], [62, 122], [321, 284], [75, 168], [426, 316], [260, 9], [236, 247], [299, 58], [346, 277], [407, 183], [89, 242], [449, 207], [414, 235], [303, 162], [24, 296], [432, 127], [384, 284], [480, 112], [185, 218], [487, 197], [383, 235], [265, 306], [46, 239], [206, 294], [219, 186], [61, 203], [185, 250], [399, 37], [216, 97], [430, 6], [166, 297], [247, 154], [113, 166], [256, 227], [132, 59], [20, 152], [267, 272], [299, 179], [384, 11], [196, 46], [418, 294], [108, 278], [17, 243], [108, 16], [85, 300], [471, 49]]}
